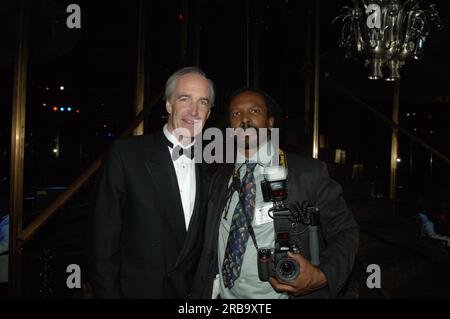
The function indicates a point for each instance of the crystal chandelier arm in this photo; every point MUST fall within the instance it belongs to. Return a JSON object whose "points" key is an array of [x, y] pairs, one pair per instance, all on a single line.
{"points": [[401, 25], [409, 27], [386, 33]]}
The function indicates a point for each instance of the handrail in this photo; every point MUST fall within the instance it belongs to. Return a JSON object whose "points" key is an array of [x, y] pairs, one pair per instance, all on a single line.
{"points": [[55, 206], [334, 86]]}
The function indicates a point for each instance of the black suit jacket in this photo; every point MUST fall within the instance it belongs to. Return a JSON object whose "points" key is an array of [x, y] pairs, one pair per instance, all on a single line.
{"points": [[308, 179], [138, 243]]}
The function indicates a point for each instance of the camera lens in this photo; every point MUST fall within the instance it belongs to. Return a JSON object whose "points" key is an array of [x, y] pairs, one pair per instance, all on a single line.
{"points": [[287, 269], [264, 263], [264, 253]]}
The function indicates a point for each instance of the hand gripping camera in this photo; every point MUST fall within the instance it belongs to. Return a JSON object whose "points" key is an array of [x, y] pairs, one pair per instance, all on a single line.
{"points": [[274, 262]]}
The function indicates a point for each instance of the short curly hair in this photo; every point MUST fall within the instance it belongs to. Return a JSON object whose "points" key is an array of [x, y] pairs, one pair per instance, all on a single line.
{"points": [[273, 108]]}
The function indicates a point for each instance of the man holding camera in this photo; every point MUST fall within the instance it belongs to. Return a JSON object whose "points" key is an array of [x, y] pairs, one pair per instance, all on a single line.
{"points": [[239, 222]]}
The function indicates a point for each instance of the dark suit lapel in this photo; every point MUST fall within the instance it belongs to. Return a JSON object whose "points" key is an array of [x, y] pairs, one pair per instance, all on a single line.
{"points": [[197, 224], [216, 206], [199, 194], [218, 194], [160, 166]]}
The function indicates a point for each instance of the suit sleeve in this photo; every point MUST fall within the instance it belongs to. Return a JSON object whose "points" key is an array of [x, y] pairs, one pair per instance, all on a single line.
{"points": [[105, 226], [340, 231]]}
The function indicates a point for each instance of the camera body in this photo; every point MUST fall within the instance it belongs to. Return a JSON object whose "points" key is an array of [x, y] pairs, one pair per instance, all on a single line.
{"points": [[274, 262]]}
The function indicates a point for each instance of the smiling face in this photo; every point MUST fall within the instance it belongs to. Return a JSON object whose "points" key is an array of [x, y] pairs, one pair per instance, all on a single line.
{"points": [[188, 106], [248, 111]]}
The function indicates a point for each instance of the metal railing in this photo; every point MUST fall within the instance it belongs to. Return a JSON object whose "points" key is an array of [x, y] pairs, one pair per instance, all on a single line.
{"points": [[59, 202], [339, 89]]}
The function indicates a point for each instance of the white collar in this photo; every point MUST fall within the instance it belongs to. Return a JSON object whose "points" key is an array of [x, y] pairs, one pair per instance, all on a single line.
{"points": [[173, 139], [264, 156]]}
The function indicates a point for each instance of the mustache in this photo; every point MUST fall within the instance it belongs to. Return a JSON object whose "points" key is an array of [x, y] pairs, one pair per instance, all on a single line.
{"points": [[247, 126]]}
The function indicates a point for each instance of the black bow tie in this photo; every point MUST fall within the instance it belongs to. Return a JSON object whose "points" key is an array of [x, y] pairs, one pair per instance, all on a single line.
{"points": [[178, 151]]}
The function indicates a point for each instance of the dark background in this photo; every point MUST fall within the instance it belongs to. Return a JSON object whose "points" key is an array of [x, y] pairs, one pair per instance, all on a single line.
{"points": [[260, 43]]}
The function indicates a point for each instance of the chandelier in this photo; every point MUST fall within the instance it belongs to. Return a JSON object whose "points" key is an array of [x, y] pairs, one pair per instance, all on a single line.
{"points": [[386, 33]]}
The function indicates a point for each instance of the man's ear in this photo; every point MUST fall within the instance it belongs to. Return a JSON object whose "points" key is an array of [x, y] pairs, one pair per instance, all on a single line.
{"points": [[209, 112], [168, 107]]}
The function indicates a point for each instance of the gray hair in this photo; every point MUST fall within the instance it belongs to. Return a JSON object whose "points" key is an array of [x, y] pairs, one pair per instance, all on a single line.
{"points": [[172, 82]]}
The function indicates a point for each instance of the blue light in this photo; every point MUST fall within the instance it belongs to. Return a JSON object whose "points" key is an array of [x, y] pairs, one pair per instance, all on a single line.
{"points": [[61, 109], [69, 109]]}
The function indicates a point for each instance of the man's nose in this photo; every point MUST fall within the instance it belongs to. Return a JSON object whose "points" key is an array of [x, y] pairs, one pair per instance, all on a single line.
{"points": [[194, 109], [245, 122]]}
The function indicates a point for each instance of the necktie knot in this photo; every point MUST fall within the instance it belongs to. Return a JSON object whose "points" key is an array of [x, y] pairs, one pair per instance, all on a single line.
{"points": [[250, 167]]}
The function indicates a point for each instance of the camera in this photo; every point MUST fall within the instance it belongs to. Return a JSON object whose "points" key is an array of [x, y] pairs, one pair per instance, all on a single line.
{"points": [[275, 262]]}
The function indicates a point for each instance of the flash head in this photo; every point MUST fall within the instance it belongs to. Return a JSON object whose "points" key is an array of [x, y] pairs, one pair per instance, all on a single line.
{"points": [[274, 188], [275, 173]]}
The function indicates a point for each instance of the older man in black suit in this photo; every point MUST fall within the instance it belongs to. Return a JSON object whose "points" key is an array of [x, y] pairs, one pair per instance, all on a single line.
{"points": [[147, 222], [238, 222]]}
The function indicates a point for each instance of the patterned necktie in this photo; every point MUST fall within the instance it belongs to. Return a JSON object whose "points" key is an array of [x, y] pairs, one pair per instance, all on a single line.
{"points": [[239, 233]]}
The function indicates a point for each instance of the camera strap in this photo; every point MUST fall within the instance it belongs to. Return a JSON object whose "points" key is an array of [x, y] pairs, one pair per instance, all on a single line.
{"points": [[247, 219], [282, 160], [235, 185]]}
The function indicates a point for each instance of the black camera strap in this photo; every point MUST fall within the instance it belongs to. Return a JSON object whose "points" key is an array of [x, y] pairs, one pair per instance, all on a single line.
{"points": [[247, 219], [234, 186]]}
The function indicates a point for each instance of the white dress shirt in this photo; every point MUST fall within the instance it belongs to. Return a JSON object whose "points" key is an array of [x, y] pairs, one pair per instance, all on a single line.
{"points": [[248, 285], [185, 171]]}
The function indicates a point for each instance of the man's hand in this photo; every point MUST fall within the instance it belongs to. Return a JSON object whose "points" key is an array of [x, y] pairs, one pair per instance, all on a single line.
{"points": [[311, 278]]}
